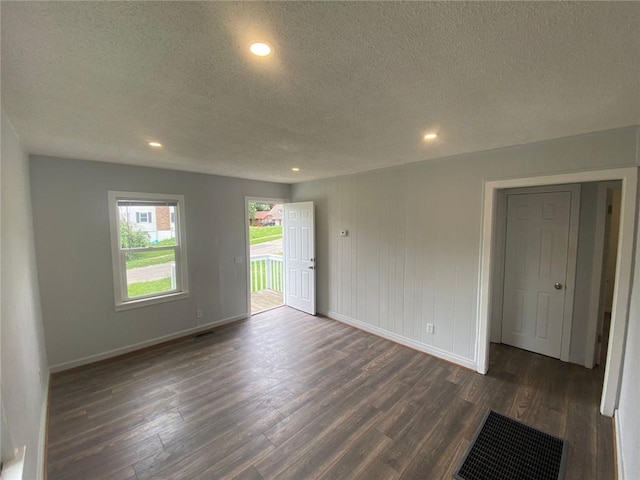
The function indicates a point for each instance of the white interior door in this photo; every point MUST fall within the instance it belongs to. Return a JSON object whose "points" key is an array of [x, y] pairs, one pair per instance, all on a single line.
{"points": [[299, 257], [537, 244]]}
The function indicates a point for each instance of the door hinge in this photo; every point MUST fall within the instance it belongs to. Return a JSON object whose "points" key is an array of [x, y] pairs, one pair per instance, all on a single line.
{"points": [[599, 338]]}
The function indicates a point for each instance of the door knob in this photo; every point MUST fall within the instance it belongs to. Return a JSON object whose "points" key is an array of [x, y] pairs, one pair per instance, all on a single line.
{"points": [[311, 267], [558, 286]]}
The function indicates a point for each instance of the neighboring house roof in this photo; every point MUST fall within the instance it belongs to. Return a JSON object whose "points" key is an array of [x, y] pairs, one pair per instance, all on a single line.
{"points": [[261, 215], [276, 212]]}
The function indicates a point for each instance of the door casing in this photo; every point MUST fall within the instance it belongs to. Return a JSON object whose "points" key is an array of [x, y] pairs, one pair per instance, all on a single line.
{"points": [[620, 313]]}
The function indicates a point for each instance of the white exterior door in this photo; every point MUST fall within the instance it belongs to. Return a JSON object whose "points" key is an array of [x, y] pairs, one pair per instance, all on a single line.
{"points": [[299, 257], [537, 244]]}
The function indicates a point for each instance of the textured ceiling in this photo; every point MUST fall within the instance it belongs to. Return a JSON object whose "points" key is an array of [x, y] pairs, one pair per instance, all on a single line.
{"points": [[351, 86]]}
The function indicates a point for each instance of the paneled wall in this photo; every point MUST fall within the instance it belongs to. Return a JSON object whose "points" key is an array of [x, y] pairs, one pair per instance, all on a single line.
{"points": [[413, 250]]}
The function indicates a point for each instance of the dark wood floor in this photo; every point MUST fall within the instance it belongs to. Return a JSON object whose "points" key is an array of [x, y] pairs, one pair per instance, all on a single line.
{"points": [[289, 396]]}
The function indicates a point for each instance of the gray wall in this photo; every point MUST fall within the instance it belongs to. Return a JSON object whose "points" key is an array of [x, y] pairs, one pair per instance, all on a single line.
{"points": [[74, 253], [23, 388], [412, 255], [628, 418]]}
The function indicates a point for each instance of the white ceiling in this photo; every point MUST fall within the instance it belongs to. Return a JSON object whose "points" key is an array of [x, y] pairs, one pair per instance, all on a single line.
{"points": [[351, 86]]}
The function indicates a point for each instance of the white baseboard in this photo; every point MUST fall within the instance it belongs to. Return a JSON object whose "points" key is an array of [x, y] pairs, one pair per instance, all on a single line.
{"points": [[14, 470], [147, 343], [408, 342], [618, 452]]}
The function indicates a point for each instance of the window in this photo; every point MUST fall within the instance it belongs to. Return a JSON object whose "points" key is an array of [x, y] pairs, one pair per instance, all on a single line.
{"points": [[143, 217], [149, 266]]}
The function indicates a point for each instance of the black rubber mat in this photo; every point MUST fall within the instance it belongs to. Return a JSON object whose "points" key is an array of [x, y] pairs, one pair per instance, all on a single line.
{"points": [[505, 449]]}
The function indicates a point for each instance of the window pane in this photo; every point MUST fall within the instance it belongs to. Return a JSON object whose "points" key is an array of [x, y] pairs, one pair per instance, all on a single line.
{"points": [[146, 225], [151, 272]]}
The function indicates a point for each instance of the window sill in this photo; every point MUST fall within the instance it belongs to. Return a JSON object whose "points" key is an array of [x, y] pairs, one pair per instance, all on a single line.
{"points": [[144, 302]]}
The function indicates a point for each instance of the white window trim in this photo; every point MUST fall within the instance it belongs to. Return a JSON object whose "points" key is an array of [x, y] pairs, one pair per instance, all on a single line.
{"points": [[119, 274]]}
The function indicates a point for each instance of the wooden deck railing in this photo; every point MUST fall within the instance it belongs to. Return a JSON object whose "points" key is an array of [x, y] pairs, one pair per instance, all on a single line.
{"points": [[267, 273]]}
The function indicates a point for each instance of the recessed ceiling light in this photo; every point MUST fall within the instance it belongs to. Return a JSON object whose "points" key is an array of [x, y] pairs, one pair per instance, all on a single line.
{"points": [[295, 169], [430, 136], [260, 49], [155, 144]]}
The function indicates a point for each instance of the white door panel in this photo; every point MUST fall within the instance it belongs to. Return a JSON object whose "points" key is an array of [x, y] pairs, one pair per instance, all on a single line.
{"points": [[299, 256], [537, 244]]}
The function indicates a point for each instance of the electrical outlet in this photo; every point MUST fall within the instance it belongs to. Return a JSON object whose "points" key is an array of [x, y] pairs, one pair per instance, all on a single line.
{"points": [[199, 313], [429, 327]]}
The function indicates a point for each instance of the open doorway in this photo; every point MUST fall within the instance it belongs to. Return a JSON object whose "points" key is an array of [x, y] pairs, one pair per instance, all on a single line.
{"points": [[280, 242], [266, 266], [554, 269], [620, 310]]}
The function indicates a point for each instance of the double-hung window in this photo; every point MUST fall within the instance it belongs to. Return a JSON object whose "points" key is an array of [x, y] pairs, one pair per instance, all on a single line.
{"points": [[149, 261], [143, 217]]}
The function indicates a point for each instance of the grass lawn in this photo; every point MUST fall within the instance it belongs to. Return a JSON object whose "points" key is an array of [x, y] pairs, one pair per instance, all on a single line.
{"points": [[144, 259], [145, 288], [264, 234]]}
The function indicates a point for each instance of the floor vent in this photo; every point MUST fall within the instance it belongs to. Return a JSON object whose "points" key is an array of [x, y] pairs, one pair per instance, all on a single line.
{"points": [[505, 449]]}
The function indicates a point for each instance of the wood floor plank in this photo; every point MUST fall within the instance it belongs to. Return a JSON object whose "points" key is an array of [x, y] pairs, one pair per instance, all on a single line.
{"points": [[409, 441], [125, 474], [288, 395], [441, 442], [580, 431], [235, 464], [327, 449], [604, 446], [357, 456], [103, 461], [378, 470], [315, 430], [209, 444], [199, 465], [250, 473]]}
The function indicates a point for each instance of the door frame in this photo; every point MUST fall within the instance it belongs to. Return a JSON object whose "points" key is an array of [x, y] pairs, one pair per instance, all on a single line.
{"points": [[596, 299], [247, 242], [620, 311], [572, 254]]}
